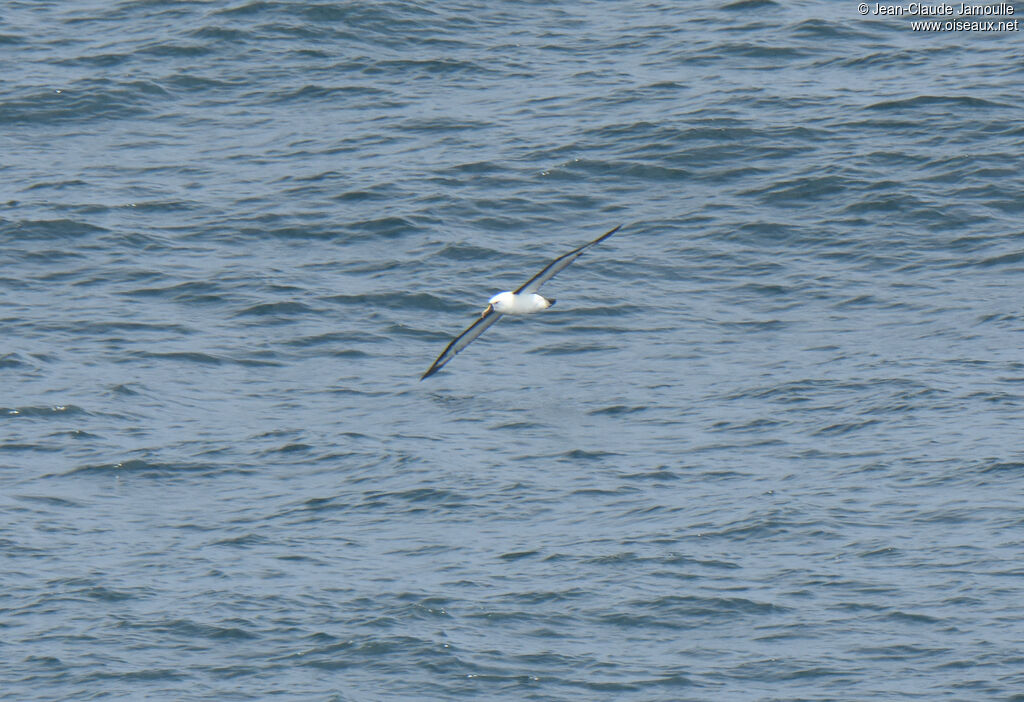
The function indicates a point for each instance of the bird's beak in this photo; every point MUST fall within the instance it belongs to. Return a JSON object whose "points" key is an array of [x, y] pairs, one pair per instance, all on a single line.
{"points": [[486, 310]]}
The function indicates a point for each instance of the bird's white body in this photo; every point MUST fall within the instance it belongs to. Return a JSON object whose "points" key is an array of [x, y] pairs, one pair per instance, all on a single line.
{"points": [[523, 303]]}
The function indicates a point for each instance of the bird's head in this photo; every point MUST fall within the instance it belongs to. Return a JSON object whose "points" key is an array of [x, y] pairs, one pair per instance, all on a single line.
{"points": [[502, 302]]}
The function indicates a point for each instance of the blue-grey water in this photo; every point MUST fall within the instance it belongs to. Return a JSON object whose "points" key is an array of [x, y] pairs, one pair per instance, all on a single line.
{"points": [[767, 445]]}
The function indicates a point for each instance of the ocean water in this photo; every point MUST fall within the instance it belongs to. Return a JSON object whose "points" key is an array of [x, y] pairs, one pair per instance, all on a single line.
{"points": [[767, 445]]}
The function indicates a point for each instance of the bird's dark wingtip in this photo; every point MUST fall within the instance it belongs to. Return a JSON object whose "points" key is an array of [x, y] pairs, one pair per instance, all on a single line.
{"points": [[609, 233], [433, 369]]}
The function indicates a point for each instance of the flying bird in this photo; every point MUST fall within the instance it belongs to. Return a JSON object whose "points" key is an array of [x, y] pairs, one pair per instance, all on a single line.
{"points": [[524, 300]]}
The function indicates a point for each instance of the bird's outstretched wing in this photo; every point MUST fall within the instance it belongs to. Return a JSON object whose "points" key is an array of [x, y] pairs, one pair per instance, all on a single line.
{"points": [[559, 264], [463, 340]]}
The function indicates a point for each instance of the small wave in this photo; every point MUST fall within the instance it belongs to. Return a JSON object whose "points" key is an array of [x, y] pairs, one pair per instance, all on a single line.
{"points": [[49, 229], [746, 5], [287, 310], [936, 100], [88, 102], [43, 412]]}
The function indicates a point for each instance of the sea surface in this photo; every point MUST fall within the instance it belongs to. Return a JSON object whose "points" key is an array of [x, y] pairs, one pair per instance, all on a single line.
{"points": [[767, 446]]}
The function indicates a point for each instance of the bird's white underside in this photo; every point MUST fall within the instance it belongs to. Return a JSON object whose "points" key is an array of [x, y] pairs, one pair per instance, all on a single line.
{"points": [[524, 303]]}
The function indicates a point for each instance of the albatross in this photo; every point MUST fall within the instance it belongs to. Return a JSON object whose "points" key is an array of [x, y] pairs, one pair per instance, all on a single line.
{"points": [[524, 300]]}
